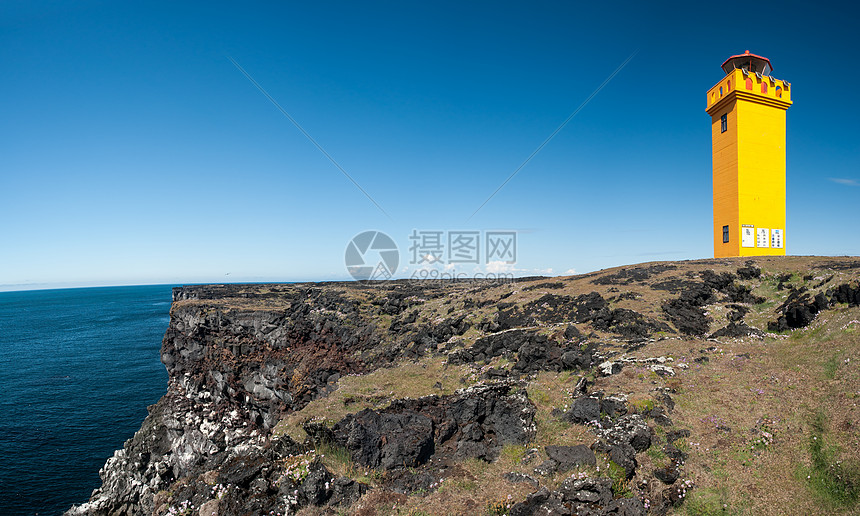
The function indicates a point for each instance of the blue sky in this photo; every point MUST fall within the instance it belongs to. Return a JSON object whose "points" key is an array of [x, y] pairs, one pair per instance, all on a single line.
{"points": [[133, 151]]}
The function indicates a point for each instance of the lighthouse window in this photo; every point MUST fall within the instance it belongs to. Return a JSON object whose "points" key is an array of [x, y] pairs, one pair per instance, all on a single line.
{"points": [[725, 234], [724, 124], [764, 87]]}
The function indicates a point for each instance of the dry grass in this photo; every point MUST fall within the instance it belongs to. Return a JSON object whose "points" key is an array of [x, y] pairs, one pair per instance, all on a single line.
{"points": [[782, 385], [803, 384], [406, 379], [469, 490]]}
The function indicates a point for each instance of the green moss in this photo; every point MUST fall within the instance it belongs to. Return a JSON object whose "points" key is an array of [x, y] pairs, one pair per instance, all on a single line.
{"points": [[642, 406]]}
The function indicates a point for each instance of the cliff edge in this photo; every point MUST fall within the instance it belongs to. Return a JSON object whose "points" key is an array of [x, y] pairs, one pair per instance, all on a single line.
{"points": [[633, 390]]}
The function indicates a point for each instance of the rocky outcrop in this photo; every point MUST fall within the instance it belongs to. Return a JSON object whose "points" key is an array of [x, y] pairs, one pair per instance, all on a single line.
{"points": [[240, 359], [533, 352], [578, 496], [585, 308], [801, 307], [687, 313], [233, 372], [473, 423]]}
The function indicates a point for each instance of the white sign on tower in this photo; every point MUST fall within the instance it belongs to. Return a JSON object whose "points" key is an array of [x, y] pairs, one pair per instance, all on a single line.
{"points": [[762, 240], [776, 239], [747, 236]]}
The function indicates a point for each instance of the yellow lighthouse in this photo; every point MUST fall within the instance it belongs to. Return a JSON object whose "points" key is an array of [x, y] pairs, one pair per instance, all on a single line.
{"points": [[747, 109]]}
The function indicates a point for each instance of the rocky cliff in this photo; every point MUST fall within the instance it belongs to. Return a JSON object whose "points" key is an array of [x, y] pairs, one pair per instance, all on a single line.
{"points": [[591, 394]]}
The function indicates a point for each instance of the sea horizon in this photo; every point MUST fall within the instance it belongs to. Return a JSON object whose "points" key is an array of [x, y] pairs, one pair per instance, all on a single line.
{"points": [[79, 368]]}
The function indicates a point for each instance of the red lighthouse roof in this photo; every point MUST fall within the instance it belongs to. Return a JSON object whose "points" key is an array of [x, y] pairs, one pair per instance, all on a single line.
{"points": [[749, 62]]}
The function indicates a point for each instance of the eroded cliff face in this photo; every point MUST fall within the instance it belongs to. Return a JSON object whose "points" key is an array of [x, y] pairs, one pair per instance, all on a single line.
{"points": [[288, 396], [239, 359], [234, 370]]}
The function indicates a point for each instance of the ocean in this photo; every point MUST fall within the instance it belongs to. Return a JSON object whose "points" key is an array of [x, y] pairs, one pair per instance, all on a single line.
{"points": [[78, 368]]}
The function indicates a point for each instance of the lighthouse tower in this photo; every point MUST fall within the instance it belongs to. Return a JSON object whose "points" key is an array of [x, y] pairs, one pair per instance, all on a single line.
{"points": [[747, 109]]}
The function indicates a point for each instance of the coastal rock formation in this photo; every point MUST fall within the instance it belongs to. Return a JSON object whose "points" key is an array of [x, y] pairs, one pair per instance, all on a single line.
{"points": [[473, 423], [256, 419]]}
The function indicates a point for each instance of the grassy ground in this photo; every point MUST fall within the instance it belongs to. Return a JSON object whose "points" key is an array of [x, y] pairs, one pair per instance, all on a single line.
{"points": [[774, 421]]}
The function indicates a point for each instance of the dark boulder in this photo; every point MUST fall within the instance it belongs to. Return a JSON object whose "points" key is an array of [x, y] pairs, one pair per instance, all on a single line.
{"points": [[737, 312], [497, 344], [846, 293], [623, 455], [597, 491], [386, 440], [584, 410], [750, 271], [315, 489], [717, 281], [630, 429], [572, 333], [668, 474], [674, 435], [687, 316], [241, 470], [569, 457], [686, 312], [474, 422], [538, 354], [613, 406], [798, 310], [408, 480], [346, 491], [627, 276], [521, 478], [625, 507], [542, 502]]}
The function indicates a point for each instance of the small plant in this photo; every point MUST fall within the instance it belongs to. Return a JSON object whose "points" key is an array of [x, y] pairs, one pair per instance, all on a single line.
{"points": [[682, 445], [681, 487], [297, 467], [458, 484], [500, 507], [763, 433], [674, 384], [718, 422], [219, 490], [185, 508], [620, 484]]}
